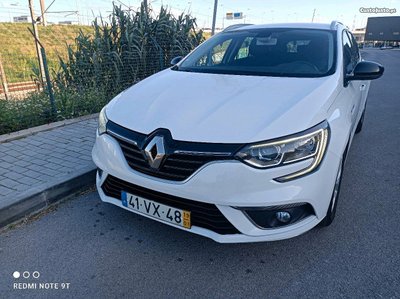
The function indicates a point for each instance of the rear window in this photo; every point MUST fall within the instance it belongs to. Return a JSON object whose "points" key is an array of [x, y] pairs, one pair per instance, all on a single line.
{"points": [[266, 52]]}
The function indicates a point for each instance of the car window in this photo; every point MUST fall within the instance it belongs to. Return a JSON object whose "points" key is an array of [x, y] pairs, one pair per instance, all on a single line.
{"points": [[244, 48], [348, 54], [215, 56], [354, 47], [266, 52], [352, 53]]}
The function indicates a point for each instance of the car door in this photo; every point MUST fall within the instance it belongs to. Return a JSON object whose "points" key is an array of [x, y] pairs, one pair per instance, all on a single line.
{"points": [[364, 85], [353, 88]]}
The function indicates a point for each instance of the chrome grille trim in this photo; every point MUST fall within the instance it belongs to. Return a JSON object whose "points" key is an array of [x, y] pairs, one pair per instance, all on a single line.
{"points": [[122, 137], [181, 160], [196, 153]]}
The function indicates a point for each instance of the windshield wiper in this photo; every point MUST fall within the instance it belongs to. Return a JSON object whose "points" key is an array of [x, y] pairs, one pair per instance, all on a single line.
{"points": [[176, 68]]}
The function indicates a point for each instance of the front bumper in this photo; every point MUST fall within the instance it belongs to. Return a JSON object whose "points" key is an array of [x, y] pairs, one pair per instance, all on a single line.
{"points": [[231, 184]]}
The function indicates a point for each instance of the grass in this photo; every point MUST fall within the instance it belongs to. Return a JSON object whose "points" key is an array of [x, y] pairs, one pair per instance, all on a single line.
{"points": [[35, 110], [19, 56], [29, 109]]}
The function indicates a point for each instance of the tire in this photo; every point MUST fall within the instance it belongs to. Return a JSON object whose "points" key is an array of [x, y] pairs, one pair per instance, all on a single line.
{"points": [[360, 123], [330, 215]]}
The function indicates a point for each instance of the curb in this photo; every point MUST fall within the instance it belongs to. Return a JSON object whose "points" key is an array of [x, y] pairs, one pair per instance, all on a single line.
{"points": [[39, 198], [35, 130]]}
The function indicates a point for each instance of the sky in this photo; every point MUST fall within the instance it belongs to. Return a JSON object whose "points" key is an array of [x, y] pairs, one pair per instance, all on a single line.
{"points": [[255, 11]]}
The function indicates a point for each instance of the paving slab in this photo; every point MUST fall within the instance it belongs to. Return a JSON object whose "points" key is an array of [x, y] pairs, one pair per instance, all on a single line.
{"points": [[43, 165]]}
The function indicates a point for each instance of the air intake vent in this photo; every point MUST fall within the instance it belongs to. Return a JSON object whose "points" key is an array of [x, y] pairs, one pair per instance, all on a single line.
{"points": [[202, 214]]}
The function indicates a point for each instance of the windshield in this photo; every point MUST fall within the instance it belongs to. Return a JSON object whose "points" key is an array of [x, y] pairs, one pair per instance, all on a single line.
{"points": [[287, 52]]}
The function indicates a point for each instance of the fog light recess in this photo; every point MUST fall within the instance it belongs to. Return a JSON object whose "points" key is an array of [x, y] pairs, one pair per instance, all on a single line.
{"points": [[99, 172], [278, 216]]}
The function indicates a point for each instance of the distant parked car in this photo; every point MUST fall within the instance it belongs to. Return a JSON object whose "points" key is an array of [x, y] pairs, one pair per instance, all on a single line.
{"points": [[386, 47], [244, 139]]}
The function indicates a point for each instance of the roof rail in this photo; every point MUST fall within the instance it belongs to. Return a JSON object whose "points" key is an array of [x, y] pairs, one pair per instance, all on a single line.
{"points": [[334, 24], [232, 27]]}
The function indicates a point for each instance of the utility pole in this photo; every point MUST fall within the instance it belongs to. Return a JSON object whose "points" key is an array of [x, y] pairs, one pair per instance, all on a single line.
{"points": [[146, 7], [87, 13], [223, 15], [36, 33], [214, 17], [9, 14], [313, 15], [190, 7], [208, 18], [3, 79], [44, 18], [77, 9]]}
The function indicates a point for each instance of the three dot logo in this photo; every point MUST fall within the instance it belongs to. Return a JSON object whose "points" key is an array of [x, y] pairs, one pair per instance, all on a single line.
{"points": [[26, 274]]}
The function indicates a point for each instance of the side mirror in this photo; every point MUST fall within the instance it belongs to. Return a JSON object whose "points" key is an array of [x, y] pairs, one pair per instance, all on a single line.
{"points": [[176, 60], [366, 70]]}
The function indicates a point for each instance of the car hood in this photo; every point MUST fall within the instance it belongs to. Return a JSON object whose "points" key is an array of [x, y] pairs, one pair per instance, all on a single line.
{"points": [[223, 108]]}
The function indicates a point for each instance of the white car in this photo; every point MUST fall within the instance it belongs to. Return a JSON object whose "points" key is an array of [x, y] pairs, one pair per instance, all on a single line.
{"points": [[245, 138]]}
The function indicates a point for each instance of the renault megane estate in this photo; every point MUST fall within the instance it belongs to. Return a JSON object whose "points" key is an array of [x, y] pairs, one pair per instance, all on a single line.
{"points": [[242, 140]]}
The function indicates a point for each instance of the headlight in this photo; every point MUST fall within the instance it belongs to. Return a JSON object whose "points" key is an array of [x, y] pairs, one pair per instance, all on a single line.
{"points": [[103, 120], [308, 144]]}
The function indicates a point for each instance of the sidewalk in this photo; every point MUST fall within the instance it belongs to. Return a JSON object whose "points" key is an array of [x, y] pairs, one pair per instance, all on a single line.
{"points": [[44, 168]]}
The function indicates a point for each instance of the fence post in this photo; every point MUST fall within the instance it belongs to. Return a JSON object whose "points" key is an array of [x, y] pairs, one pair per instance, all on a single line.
{"points": [[161, 53], [44, 17], [36, 35], [3, 78], [46, 71]]}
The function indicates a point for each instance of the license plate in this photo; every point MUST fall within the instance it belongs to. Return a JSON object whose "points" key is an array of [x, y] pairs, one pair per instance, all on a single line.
{"points": [[156, 210]]}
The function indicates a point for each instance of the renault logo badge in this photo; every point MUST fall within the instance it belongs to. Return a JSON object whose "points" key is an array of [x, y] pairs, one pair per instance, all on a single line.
{"points": [[155, 152]]}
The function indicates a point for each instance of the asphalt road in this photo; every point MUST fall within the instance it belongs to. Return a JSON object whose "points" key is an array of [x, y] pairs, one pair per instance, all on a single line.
{"points": [[103, 251]]}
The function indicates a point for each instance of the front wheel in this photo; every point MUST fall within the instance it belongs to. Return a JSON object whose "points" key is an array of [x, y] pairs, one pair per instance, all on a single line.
{"points": [[360, 123], [330, 215]]}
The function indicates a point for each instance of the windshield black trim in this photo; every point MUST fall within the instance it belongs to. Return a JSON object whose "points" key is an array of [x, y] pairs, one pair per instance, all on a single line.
{"points": [[248, 73]]}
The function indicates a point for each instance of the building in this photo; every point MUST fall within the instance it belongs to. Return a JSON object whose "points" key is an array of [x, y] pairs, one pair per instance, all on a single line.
{"points": [[68, 23], [359, 34], [383, 29], [23, 19]]}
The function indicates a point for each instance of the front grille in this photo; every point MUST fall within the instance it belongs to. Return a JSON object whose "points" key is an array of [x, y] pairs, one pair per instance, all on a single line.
{"points": [[202, 214], [182, 158], [176, 167]]}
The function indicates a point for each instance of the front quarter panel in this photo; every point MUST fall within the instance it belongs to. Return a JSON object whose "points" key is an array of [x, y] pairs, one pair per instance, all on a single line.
{"points": [[340, 115]]}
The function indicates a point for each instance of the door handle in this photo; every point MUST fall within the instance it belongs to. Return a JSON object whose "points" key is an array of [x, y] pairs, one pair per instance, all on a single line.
{"points": [[363, 86]]}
